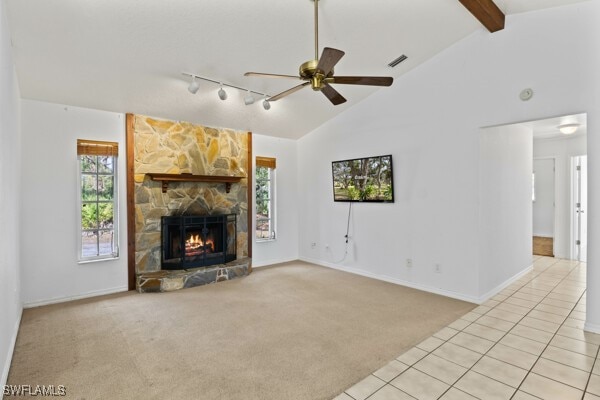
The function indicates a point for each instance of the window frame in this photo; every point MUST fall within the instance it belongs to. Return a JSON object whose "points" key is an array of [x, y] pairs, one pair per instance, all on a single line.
{"points": [[270, 164], [97, 149]]}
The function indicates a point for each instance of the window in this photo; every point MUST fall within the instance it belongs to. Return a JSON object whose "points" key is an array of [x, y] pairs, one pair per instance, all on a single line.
{"points": [[265, 198], [98, 238]]}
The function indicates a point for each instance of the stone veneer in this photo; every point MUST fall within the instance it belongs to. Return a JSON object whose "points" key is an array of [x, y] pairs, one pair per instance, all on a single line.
{"points": [[180, 147]]}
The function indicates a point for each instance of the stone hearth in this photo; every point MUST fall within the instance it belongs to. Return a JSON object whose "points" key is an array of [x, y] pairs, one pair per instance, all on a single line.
{"points": [[168, 281]]}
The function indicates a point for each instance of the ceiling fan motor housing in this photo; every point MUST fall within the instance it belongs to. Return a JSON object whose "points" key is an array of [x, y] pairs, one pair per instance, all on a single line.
{"points": [[308, 71]]}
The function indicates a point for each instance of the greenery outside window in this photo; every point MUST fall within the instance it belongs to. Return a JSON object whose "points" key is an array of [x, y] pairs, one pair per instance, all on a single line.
{"points": [[98, 211], [265, 198]]}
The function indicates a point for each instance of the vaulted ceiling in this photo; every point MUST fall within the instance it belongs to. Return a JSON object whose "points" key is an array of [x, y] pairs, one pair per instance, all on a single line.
{"points": [[128, 55]]}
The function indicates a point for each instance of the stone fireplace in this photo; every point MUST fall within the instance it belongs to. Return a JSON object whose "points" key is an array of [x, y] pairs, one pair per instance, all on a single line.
{"points": [[194, 204]]}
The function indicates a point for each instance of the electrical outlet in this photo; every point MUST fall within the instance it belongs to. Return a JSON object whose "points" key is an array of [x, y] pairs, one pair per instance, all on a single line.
{"points": [[438, 268], [409, 263]]}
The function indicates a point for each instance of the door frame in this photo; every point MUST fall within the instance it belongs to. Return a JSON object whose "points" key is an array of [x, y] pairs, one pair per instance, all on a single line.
{"points": [[573, 214]]}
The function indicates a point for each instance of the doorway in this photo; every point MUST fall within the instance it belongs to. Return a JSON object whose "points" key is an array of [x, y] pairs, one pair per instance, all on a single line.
{"points": [[579, 216], [543, 206]]}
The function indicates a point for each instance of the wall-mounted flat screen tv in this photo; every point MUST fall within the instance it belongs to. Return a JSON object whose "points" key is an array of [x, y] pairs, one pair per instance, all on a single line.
{"points": [[368, 179]]}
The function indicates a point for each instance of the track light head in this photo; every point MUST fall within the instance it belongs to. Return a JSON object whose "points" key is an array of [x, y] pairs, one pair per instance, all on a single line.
{"points": [[222, 93], [193, 88], [249, 99], [266, 104]]}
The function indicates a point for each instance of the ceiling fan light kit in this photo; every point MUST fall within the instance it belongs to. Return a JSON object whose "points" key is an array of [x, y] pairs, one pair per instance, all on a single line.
{"points": [[319, 74]]}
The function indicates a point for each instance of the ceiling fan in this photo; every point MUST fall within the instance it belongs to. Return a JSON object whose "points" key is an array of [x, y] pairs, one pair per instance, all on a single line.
{"points": [[318, 73]]}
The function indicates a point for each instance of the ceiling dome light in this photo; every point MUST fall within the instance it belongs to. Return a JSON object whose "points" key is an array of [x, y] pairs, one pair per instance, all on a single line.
{"points": [[249, 99], [266, 104], [193, 88], [222, 93], [568, 129]]}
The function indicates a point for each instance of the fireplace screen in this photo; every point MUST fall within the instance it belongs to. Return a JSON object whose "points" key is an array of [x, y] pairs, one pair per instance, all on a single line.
{"points": [[198, 241]]}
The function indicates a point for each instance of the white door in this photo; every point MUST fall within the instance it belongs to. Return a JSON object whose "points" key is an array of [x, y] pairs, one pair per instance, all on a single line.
{"points": [[543, 197], [580, 207]]}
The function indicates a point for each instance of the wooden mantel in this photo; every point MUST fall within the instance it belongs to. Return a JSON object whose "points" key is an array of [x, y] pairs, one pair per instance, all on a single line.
{"points": [[166, 178]]}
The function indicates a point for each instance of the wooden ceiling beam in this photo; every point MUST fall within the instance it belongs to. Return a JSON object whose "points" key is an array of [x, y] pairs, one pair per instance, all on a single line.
{"points": [[487, 12]]}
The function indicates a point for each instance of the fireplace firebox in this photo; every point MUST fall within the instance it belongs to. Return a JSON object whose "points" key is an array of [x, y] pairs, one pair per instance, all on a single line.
{"points": [[197, 241]]}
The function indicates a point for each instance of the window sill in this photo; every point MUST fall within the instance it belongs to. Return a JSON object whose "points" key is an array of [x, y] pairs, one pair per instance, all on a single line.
{"points": [[265, 240], [96, 260]]}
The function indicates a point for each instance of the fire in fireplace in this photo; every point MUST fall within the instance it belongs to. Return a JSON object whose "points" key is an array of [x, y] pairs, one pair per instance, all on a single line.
{"points": [[198, 241]]}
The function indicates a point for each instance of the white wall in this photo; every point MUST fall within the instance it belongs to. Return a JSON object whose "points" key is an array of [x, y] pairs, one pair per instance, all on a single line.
{"points": [[285, 247], [430, 121], [543, 206], [562, 149], [50, 203], [505, 211], [10, 142]]}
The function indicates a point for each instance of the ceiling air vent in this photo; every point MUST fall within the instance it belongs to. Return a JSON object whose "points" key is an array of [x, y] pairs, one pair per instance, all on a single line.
{"points": [[397, 61]]}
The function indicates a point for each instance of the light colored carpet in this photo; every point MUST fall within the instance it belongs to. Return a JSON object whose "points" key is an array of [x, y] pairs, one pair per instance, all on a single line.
{"points": [[293, 331]]}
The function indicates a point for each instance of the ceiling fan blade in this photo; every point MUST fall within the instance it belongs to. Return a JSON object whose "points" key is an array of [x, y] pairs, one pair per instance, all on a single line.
{"points": [[363, 80], [288, 92], [328, 59], [260, 74], [332, 95]]}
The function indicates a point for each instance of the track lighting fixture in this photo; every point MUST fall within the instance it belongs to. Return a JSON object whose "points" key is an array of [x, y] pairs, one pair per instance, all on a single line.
{"points": [[266, 104], [193, 88], [249, 99], [222, 93]]}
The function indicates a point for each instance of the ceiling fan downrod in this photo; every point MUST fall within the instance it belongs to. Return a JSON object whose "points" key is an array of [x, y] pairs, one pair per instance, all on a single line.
{"points": [[316, 29]]}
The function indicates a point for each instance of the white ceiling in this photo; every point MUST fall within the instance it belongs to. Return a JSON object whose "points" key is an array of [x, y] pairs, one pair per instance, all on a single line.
{"points": [[128, 55], [548, 128]]}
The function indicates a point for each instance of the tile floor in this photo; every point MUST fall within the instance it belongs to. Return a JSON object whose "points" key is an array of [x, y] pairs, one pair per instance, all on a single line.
{"points": [[525, 343]]}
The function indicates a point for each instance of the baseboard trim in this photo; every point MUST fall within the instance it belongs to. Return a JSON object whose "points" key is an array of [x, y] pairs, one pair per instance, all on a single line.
{"points": [[56, 300], [593, 328], [447, 293], [11, 350], [268, 263], [491, 293]]}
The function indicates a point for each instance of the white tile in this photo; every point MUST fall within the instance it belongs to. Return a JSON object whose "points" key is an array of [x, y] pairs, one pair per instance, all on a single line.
{"points": [[365, 388], [455, 394], [568, 305], [521, 302], [561, 373], [484, 331], [575, 345], [539, 324], [553, 310], [512, 356], [420, 385], [491, 303], [532, 333], [545, 316], [389, 392], [343, 396], [495, 323], [430, 344], [589, 396], [500, 371], [579, 334], [412, 356], [594, 385], [445, 333], [471, 316], [459, 324], [570, 358], [481, 309], [521, 343], [505, 315], [574, 323], [457, 354], [513, 308], [472, 342], [446, 371], [596, 369], [524, 396], [391, 370], [549, 389], [483, 387]]}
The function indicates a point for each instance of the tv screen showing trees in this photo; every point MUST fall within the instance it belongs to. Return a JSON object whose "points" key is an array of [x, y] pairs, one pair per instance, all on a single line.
{"points": [[366, 179]]}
